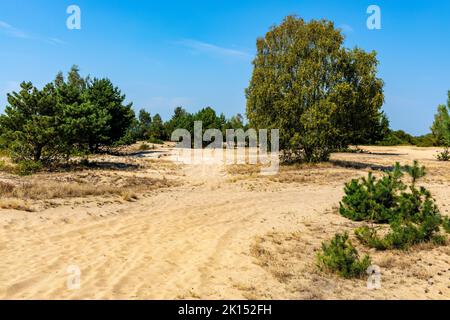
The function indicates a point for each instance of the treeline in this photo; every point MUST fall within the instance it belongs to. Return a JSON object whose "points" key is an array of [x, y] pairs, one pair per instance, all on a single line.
{"points": [[74, 115], [402, 138], [439, 136], [155, 130], [321, 95]]}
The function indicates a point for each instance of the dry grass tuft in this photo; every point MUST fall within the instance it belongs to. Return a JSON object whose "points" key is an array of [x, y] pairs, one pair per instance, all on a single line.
{"points": [[15, 204], [79, 186]]}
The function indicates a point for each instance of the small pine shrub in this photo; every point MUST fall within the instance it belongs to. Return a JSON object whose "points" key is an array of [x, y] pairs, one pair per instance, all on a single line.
{"points": [[341, 257], [386, 200], [371, 199], [444, 155], [403, 235], [411, 212]]}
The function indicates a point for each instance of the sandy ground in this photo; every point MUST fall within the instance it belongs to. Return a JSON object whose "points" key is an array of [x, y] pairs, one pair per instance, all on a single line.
{"points": [[216, 233]]}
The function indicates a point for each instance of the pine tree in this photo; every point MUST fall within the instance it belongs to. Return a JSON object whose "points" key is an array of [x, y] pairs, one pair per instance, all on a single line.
{"points": [[30, 124]]}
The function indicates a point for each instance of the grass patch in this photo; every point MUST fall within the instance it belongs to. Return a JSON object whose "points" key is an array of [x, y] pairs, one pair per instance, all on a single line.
{"points": [[39, 189]]}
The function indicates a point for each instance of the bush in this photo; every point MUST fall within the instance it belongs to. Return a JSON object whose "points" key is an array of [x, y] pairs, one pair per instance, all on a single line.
{"points": [[402, 235], [446, 224], [371, 199], [413, 216], [341, 257], [155, 140], [144, 147], [385, 200], [400, 137], [27, 167], [444, 155]]}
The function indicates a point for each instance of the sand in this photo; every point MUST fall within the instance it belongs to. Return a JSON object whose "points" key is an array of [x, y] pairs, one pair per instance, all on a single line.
{"points": [[217, 233]]}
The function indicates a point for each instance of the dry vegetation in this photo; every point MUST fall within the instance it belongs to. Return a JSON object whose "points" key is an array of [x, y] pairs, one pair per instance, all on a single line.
{"points": [[422, 272], [125, 175], [140, 226]]}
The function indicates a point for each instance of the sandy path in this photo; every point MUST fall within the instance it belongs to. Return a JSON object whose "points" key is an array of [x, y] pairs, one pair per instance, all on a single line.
{"points": [[195, 240], [189, 242]]}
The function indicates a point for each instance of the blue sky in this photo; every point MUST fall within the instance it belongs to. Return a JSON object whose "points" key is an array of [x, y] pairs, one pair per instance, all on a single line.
{"points": [[198, 53]]}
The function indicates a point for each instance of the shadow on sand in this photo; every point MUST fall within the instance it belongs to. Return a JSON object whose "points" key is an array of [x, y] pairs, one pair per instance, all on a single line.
{"points": [[360, 165]]}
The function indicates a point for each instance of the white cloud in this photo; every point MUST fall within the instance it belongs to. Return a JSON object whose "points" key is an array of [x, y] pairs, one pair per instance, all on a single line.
{"points": [[56, 41], [208, 48], [14, 32], [346, 28]]}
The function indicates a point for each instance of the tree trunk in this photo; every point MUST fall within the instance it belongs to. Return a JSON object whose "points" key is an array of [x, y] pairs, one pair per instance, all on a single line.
{"points": [[37, 153]]}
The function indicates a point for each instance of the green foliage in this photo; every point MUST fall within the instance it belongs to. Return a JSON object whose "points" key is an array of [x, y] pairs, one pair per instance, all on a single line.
{"points": [[385, 200], [446, 224], [144, 147], [403, 234], [28, 167], [155, 140], [441, 125], [400, 137], [320, 95], [428, 140], [108, 99], [144, 125], [341, 257], [182, 119], [319, 131], [157, 129], [64, 117], [369, 199], [444, 155], [236, 122], [30, 125], [411, 212]]}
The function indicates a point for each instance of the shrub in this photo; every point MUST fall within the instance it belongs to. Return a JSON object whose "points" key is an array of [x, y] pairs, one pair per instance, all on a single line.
{"points": [[341, 257], [446, 224], [385, 200], [144, 147], [444, 155], [413, 215], [155, 140], [28, 167], [371, 199], [402, 235]]}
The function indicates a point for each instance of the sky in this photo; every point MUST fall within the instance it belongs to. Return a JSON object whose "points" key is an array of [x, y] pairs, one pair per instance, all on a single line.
{"points": [[194, 54]]}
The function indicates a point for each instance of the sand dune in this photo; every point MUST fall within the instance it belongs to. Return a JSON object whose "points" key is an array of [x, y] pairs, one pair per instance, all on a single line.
{"points": [[197, 239]]}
